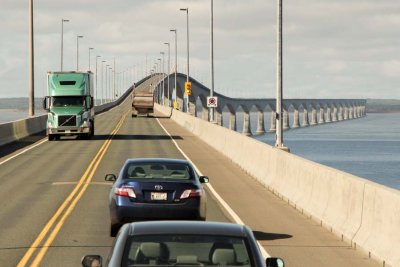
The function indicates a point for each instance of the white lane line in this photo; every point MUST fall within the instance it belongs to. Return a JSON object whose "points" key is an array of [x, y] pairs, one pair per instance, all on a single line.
{"points": [[231, 212], [23, 151]]}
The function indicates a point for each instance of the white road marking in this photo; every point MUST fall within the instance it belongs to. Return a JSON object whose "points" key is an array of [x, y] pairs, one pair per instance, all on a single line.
{"points": [[23, 151], [231, 212]]}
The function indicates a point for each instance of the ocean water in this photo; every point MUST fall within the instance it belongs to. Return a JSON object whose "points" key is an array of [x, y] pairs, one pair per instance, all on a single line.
{"points": [[368, 147]]}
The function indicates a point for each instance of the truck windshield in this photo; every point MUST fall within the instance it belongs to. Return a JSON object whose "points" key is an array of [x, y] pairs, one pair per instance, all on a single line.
{"points": [[67, 101]]}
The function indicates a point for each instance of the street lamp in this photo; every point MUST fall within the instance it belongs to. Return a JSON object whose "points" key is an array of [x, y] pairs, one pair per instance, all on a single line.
{"points": [[176, 59], [62, 40], [159, 82], [169, 71], [96, 93], [279, 88], [90, 48], [163, 77], [102, 91], [31, 62], [187, 48], [77, 51], [212, 59]]}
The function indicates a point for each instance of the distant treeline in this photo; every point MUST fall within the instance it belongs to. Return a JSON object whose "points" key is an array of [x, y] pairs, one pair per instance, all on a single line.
{"points": [[383, 105]]}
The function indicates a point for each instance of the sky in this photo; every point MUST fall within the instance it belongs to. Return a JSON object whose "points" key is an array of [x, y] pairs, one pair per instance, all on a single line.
{"points": [[331, 49]]}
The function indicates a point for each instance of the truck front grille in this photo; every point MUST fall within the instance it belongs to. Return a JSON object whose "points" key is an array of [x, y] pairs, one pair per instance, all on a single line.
{"points": [[67, 120]]}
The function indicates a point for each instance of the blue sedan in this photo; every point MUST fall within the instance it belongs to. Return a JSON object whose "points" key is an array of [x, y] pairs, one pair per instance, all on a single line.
{"points": [[156, 189]]}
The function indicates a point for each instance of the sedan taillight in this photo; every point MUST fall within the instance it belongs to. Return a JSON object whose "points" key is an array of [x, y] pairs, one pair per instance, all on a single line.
{"points": [[189, 193], [125, 191]]}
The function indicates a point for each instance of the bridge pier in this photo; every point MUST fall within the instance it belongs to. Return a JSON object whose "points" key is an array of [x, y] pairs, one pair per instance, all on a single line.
{"points": [[246, 124], [273, 121], [313, 116], [219, 118], [286, 120], [232, 122], [346, 113], [340, 114], [334, 115], [351, 113], [296, 119], [305, 118], [328, 115], [321, 116], [260, 124]]}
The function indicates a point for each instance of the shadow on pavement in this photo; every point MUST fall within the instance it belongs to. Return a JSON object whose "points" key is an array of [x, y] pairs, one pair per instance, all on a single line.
{"points": [[270, 236], [10, 148]]}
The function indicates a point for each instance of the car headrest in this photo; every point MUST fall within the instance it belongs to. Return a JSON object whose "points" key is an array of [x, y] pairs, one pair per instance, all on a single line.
{"points": [[223, 256]]}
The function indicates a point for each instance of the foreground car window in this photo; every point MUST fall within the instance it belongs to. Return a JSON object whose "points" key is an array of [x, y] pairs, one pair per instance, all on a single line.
{"points": [[174, 250], [158, 170]]}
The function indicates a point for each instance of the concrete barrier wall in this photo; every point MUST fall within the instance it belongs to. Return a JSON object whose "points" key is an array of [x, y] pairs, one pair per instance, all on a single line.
{"points": [[365, 213], [12, 131]]}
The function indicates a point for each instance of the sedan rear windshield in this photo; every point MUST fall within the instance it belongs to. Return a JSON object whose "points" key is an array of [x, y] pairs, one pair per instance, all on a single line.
{"points": [[174, 171], [184, 250]]}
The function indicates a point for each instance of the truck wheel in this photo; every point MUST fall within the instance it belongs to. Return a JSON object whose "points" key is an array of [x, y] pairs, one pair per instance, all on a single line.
{"points": [[50, 137], [92, 128]]}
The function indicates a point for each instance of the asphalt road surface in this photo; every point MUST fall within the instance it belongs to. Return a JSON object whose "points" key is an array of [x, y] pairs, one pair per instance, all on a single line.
{"points": [[55, 201]]}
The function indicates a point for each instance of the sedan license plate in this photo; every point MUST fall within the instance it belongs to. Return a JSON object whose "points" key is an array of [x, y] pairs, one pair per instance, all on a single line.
{"points": [[158, 196]]}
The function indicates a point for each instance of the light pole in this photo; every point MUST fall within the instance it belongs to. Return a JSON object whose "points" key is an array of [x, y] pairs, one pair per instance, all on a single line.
{"points": [[77, 51], [102, 90], [109, 81], [62, 40], [106, 86], [96, 93], [31, 63], [187, 48], [169, 71], [90, 48], [159, 81], [176, 59], [212, 59], [163, 77], [279, 87]]}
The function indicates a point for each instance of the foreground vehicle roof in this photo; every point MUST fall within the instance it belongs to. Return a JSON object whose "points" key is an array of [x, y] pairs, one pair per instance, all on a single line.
{"points": [[188, 227]]}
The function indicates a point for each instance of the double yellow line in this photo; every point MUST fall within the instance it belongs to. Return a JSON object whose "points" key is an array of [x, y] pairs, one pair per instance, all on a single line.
{"points": [[67, 207]]}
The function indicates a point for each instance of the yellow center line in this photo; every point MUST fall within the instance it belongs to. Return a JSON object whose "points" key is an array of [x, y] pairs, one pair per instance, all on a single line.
{"points": [[83, 182]]}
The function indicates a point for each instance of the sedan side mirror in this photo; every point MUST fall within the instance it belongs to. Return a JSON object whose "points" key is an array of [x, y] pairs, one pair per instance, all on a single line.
{"points": [[92, 261], [110, 178], [275, 262], [204, 179]]}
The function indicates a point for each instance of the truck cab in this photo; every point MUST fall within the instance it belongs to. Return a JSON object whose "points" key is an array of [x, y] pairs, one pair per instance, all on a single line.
{"points": [[69, 104]]}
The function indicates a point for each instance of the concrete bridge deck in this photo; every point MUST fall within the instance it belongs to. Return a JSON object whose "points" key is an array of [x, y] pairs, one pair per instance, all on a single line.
{"points": [[39, 182]]}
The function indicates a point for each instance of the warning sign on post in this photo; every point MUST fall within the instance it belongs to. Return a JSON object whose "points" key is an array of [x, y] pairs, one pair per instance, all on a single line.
{"points": [[212, 102]]}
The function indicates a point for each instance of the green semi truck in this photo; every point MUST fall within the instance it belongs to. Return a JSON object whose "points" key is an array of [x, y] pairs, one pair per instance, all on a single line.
{"points": [[69, 105]]}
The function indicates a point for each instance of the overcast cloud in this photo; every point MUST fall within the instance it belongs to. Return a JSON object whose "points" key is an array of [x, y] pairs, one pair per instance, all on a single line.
{"points": [[332, 49]]}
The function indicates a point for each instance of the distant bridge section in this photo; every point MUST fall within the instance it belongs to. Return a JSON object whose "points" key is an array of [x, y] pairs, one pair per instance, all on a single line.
{"points": [[304, 112]]}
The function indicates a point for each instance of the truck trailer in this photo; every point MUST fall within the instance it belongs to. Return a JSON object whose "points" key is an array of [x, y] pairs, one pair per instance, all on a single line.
{"points": [[69, 104]]}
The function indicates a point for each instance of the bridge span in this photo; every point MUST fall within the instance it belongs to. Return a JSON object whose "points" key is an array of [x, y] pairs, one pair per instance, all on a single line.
{"points": [[296, 112], [55, 205]]}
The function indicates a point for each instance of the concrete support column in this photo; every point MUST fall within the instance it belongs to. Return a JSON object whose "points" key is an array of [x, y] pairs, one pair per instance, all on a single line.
{"points": [[359, 115], [305, 118], [204, 114], [346, 113], [219, 118], [328, 115], [340, 114], [313, 117], [321, 116], [246, 124], [335, 114], [354, 112], [273, 122], [351, 113], [232, 122], [260, 123], [286, 120], [296, 119]]}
